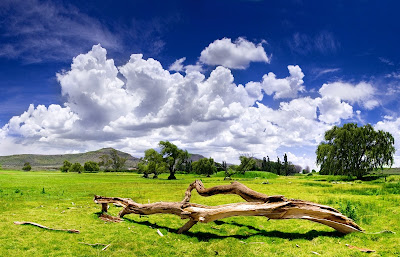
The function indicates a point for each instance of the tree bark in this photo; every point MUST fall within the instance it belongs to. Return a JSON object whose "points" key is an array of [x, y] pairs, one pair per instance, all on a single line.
{"points": [[258, 204]]}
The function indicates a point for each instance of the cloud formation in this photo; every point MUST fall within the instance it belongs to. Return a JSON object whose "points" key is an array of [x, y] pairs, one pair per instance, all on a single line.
{"points": [[49, 31], [134, 106], [233, 55], [362, 93]]}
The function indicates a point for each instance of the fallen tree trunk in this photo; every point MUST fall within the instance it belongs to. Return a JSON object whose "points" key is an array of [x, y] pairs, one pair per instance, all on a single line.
{"points": [[258, 204]]}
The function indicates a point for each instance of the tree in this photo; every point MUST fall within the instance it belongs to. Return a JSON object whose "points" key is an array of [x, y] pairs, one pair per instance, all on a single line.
{"points": [[264, 164], [27, 166], [269, 167], [76, 167], [91, 166], [306, 170], [278, 167], [154, 162], [118, 162], [247, 163], [204, 166], [184, 161], [105, 161], [353, 151], [225, 169], [66, 166], [171, 154], [143, 168], [285, 165]]}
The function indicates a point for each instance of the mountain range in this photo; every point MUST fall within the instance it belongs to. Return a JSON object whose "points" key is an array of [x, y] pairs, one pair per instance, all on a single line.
{"points": [[54, 162]]}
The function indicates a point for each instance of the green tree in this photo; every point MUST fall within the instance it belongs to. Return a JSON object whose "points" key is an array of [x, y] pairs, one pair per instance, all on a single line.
{"points": [[264, 164], [204, 166], [353, 151], [278, 167], [246, 163], [184, 161], [66, 166], [91, 166], [154, 161], [171, 154], [225, 168], [143, 168], [269, 166], [285, 165], [27, 166], [76, 167], [105, 161], [118, 162]]}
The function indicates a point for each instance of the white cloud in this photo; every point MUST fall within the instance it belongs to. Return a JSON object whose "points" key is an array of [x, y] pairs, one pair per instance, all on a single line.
{"points": [[42, 122], [362, 93], [93, 90], [234, 55], [134, 106], [333, 110], [177, 65], [392, 126], [284, 88]]}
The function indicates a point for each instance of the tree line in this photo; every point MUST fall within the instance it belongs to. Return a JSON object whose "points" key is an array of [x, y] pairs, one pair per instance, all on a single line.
{"points": [[172, 159], [109, 162]]}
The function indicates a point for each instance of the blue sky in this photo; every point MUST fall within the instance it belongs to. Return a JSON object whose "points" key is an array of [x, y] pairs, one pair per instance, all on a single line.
{"points": [[257, 77]]}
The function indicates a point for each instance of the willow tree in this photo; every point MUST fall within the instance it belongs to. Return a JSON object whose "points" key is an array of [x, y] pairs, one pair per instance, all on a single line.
{"points": [[353, 151], [171, 154]]}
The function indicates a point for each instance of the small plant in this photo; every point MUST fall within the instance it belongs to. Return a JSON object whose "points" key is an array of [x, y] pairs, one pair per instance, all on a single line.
{"points": [[43, 191], [350, 210], [27, 166], [17, 191]]}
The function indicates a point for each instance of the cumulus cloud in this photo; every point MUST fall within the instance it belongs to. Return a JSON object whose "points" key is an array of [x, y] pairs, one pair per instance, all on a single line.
{"points": [[134, 106], [42, 122], [233, 55], [284, 88], [392, 126], [362, 93]]}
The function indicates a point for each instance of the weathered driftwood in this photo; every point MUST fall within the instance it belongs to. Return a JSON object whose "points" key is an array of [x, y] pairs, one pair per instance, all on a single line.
{"points": [[258, 204]]}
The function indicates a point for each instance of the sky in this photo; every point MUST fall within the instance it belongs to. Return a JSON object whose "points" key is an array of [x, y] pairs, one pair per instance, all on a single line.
{"points": [[218, 78]]}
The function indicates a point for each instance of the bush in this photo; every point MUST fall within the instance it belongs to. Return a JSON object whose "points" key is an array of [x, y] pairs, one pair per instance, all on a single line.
{"points": [[27, 166], [349, 209], [76, 167], [91, 166], [66, 166]]}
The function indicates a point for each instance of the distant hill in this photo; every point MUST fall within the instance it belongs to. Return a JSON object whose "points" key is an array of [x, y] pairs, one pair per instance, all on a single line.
{"points": [[54, 162], [195, 157]]}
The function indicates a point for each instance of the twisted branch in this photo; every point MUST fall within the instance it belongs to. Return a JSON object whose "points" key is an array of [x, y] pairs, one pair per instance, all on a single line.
{"points": [[258, 204]]}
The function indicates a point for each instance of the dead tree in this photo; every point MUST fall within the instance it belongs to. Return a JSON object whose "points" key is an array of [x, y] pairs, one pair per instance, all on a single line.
{"points": [[258, 204]]}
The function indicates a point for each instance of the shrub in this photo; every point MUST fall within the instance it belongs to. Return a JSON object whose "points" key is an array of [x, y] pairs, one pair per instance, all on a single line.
{"points": [[27, 166], [91, 166], [349, 209], [76, 167], [66, 166]]}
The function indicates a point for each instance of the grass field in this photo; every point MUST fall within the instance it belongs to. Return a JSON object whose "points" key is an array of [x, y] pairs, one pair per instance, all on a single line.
{"points": [[65, 200]]}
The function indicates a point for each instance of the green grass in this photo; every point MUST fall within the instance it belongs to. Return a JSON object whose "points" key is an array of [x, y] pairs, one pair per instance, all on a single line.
{"points": [[65, 200]]}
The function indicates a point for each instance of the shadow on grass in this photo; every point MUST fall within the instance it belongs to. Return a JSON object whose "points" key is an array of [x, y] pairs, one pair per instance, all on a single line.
{"points": [[205, 236]]}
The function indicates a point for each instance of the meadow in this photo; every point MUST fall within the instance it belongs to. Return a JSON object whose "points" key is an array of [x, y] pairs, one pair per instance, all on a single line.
{"points": [[65, 200]]}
